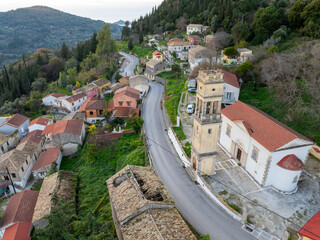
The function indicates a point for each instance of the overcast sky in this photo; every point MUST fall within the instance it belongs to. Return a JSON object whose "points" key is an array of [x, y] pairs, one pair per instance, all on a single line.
{"points": [[106, 10]]}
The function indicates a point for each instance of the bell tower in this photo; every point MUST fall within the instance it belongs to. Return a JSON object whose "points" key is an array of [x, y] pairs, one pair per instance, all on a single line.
{"points": [[207, 120]]}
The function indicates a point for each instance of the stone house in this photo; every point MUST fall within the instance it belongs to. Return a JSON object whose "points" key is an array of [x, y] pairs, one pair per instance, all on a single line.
{"points": [[198, 55], [194, 39], [194, 28], [157, 55], [91, 90], [93, 109], [139, 82], [8, 142], [231, 88], [49, 100], [103, 85], [179, 47], [272, 153], [66, 133], [153, 67], [17, 122], [39, 124], [154, 215], [244, 55], [44, 162], [18, 214]]}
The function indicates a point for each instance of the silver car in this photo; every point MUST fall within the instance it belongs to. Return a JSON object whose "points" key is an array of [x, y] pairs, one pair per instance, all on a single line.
{"points": [[190, 108]]}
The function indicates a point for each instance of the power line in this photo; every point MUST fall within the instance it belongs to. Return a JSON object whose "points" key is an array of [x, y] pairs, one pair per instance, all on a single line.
{"points": [[233, 189]]}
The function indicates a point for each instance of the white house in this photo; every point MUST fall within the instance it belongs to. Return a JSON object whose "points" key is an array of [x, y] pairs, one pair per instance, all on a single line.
{"points": [[139, 82], [272, 153], [231, 88], [179, 46], [70, 103], [49, 100], [9, 125], [199, 55], [194, 28], [39, 124]]}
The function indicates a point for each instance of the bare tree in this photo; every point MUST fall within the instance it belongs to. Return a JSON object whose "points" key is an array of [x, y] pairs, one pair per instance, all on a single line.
{"points": [[181, 24]]}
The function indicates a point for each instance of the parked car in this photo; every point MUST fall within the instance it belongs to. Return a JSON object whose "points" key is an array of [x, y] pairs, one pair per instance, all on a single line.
{"points": [[190, 108], [192, 90]]}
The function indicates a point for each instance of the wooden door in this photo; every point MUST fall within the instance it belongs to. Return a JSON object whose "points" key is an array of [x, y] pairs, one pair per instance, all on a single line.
{"points": [[239, 152]]}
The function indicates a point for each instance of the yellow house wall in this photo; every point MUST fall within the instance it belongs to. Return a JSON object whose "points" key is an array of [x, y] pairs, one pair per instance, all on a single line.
{"points": [[313, 152]]}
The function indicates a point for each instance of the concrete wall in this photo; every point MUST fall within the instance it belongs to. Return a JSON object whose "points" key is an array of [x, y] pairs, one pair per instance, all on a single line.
{"points": [[48, 101], [23, 128], [36, 127], [69, 149]]}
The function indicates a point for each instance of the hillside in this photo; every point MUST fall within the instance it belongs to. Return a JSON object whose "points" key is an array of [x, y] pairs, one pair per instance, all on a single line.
{"points": [[24, 30]]}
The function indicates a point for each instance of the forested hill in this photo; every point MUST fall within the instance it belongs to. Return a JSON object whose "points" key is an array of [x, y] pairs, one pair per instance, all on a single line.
{"points": [[24, 30], [252, 20]]}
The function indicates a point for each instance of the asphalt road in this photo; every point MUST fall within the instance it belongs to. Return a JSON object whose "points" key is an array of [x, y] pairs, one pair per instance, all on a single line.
{"points": [[195, 206], [133, 62]]}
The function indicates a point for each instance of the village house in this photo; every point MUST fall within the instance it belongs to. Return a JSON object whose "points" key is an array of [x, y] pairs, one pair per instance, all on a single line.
{"points": [[179, 47], [66, 133], [61, 185], [49, 100], [69, 104], [39, 124], [157, 55], [194, 28], [272, 153], [124, 103], [17, 122], [208, 38], [44, 162], [19, 162], [194, 39], [231, 88], [17, 217], [93, 109], [139, 82], [153, 67], [91, 90], [8, 142], [198, 55], [311, 230], [154, 215], [124, 81], [244, 55], [103, 85]]}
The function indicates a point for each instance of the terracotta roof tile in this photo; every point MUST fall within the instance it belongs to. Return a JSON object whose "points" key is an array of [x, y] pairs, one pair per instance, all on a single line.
{"points": [[93, 104], [35, 137], [311, 229], [291, 162], [102, 81], [230, 78], [125, 112], [56, 95], [20, 208], [73, 126], [194, 37], [15, 121], [40, 121], [47, 158], [18, 231], [76, 97], [266, 130], [129, 91], [156, 53]]}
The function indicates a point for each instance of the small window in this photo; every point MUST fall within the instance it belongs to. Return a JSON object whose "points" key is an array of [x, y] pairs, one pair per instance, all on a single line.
{"points": [[6, 178], [129, 104], [13, 175], [2, 149], [27, 162], [79, 100], [213, 89], [209, 131], [22, 169], [72, 104], [7, 143], [120, 104], [254, 154], [91, 113], [228, 131], [295, 179]]}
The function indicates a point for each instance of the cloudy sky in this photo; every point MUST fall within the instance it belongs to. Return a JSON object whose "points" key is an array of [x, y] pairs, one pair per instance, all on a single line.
{"points": [[106, 10]]}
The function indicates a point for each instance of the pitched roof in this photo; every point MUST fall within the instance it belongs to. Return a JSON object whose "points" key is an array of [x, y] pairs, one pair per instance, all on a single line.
{"points": [[76, 97], [230, 78], [102, 81], [93, 104], [20, 208], [43, 205], [56, 95], [18, 231], [129, 91], [156, 53], [194, 37], [15, 121], [311, 229], [175, 40], [153, 62], [46, 158], [266, 130], [73, 126], [178, 43], [195, 25], [125, 112], [40, 121], [198, 50], [34, 136], [291, 162]]}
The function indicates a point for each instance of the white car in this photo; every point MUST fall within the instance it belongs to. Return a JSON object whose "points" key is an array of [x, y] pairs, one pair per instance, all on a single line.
{"points": [[190, 108]]}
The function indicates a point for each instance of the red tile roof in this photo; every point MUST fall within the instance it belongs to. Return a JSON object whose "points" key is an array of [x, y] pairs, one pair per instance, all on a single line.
{"points": [[47, 158], [35, 137], [312, 228], [20, 208], [175, 40], [129, 91], [56, 95], [65, 126], [15, 121], [40, 121], [18, 231], [125, 112], [266, 130], [291, 162], [194, 37], [230, 78], [93, 104], [156, 53], [76, 97]]}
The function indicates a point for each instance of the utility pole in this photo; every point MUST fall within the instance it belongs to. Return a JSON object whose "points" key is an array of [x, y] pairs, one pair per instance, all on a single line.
{"points": [[14, 189], [145, 150]]}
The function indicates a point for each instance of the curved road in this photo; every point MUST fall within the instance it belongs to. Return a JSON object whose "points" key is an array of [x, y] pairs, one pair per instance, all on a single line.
{"points": [[133, 62], [195, 206]]}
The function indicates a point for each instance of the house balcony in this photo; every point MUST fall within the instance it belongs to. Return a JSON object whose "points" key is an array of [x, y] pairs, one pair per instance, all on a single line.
{"points": [[228, 101]]}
